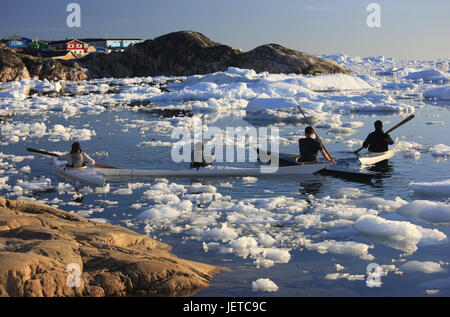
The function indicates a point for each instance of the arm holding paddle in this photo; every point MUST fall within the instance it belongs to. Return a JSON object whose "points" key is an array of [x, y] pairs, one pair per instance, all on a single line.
{"points": [[56, 155], [389, 141], [324, 150]]}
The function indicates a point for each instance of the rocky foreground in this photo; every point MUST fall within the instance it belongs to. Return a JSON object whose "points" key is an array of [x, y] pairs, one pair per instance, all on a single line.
{"points": [[38, 244], [181, 53]]}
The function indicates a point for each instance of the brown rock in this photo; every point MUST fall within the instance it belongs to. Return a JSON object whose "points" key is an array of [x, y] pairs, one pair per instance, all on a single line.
{"points": [[38, 242], [187, 53]]}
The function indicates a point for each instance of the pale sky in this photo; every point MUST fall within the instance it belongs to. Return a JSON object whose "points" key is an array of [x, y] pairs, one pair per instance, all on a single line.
{"points": [[409, 28]]}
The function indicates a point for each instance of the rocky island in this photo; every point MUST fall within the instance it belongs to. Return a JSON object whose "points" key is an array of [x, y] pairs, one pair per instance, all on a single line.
{"points": [[181, 53]]}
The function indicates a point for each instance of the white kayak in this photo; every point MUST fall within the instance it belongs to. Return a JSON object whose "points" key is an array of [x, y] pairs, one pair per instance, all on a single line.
{"points": [[335, 170], [375, 157], [86, 174], [212, 171]]}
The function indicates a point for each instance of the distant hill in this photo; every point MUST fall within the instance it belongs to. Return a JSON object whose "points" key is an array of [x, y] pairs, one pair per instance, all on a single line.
{"points": [[188, 53]]}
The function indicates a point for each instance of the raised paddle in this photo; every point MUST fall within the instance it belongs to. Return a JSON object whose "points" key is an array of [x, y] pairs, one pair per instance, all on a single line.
{"points": [[390, 130], [56, 155], [317, 136]]}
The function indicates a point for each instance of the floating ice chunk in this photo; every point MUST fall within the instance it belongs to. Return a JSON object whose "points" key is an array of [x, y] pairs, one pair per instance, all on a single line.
{"points": [[341, 247], [103, 190], [432, 212], [350, 192], [26, 169], [266, 240], [427, 75], [401, 235], [438, 188], [223, 233], [154, 143], [198, 188], [440, 151], [379, 203], [425, 267], [334, 82], [348, 276], [249, 179], [159, 212], [264, 285], [442, 93], [39, 185], [123, 191], [308, 221]]}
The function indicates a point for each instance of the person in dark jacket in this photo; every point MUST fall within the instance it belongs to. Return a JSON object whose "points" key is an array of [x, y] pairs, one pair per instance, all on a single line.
{"points": [[378, 141], [309, 147], [76, 158]]}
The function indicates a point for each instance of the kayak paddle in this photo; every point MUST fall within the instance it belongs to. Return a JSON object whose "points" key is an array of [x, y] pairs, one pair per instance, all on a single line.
{"points": [[390, 130], [56, 155]]}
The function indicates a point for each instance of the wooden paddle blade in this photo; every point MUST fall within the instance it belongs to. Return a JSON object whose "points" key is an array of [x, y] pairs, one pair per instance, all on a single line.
{"points": [[401, 123], [42, 152], [390, 130], [56, 155], [104, 166]]}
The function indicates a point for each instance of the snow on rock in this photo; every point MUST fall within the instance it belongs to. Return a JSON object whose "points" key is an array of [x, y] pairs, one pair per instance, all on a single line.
{"points": [[436, 213], [264, 285], [438, 188]]}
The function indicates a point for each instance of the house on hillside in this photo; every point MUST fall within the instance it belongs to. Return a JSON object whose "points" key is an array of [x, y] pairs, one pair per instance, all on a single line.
{"points": [[38, 45], [119, 45], [16, 41]]}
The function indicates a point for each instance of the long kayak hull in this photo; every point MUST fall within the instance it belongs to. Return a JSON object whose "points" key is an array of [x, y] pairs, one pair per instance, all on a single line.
{"points": [[373, 158], [333, 170], [85, 175], [215, 171]]}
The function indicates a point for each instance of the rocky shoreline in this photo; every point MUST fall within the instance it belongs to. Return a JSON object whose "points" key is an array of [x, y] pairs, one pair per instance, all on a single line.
{"points": [[181, 53], [41, 247]]}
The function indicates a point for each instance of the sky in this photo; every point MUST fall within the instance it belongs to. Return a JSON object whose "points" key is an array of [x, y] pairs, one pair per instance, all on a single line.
{"points": [[410, 29]]}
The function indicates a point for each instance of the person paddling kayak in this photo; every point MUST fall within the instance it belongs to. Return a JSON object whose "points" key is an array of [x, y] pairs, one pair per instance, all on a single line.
{"points": [[309, 147], [76, 158], [198, 156], [378, 140]]}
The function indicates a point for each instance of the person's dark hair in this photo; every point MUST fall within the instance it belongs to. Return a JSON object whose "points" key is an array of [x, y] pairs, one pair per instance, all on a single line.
{"points": [[378, 125], [308, 131], [75, 147]]}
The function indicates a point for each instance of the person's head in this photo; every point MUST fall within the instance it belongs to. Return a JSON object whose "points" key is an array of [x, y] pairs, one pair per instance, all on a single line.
{"points": [[309, 132], [378, 125], [76, 148], [199, 146]]}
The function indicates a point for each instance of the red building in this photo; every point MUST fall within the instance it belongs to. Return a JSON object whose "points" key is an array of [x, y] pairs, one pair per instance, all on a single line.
{"points": [[76, 46]]}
